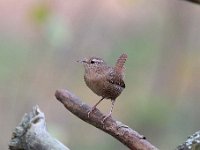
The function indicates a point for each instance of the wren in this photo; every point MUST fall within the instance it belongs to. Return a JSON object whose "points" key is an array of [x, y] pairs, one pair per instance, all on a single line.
{"points": [[103, 80]]}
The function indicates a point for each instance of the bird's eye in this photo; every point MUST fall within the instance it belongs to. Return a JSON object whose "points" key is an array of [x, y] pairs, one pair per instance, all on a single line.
{"points": [[96, 61], [92, 62]]}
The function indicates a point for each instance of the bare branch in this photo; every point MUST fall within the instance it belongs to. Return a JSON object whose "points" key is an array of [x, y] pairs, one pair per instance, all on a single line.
{"points": [[31, 134], [118, 130]]}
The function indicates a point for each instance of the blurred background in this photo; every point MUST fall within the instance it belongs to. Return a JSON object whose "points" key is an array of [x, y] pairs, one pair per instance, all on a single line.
{"points": [[40, 41]]}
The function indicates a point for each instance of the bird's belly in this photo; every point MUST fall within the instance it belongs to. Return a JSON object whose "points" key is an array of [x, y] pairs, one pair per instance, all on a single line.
{"points": [[96, 87], [104, 89]]}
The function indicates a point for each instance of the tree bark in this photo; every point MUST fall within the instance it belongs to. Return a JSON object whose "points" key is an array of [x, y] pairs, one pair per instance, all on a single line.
{"points": [[32, 134], [118, 130], [192, 143]]}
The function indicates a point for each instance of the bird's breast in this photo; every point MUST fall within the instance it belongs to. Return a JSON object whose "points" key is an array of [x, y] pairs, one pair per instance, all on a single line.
{"points": [[94, 83]]}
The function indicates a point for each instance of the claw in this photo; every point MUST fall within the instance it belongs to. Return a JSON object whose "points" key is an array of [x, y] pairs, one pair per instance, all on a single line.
{"points": [[105, 118], [89, 113], [93, 108]]}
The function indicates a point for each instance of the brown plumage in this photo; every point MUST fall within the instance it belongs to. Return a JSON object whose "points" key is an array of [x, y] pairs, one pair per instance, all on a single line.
{"points": [[119, 66], [103, 80]]}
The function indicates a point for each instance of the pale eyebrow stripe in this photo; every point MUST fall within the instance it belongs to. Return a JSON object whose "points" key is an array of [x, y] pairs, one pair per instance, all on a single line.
{"points": [[97, 60]]}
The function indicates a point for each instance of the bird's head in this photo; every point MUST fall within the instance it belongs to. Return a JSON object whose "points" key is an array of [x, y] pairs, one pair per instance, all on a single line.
{"points": [[92, 63]]}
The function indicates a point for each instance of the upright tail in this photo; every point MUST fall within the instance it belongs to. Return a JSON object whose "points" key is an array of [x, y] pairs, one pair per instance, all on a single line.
{"points": [[119, 66]]}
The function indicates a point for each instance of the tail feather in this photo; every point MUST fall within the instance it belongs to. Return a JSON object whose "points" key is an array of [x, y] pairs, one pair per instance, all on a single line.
{"points": [[119, 66]]}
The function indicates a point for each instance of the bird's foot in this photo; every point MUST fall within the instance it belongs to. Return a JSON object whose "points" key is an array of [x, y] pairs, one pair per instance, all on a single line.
{"points": [[105, 118], [93, 108], [121, 125]]}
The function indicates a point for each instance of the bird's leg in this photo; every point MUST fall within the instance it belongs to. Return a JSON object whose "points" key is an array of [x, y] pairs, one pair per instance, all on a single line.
{"points": [[94, 107], [111, 109]]}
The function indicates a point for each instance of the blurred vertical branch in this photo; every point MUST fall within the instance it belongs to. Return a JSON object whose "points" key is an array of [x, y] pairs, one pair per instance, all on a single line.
{"points": [[194, 1]]}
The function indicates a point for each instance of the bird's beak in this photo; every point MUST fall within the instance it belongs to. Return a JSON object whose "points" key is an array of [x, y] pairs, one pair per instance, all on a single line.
{"points": [[79, 61], [82, 61]]}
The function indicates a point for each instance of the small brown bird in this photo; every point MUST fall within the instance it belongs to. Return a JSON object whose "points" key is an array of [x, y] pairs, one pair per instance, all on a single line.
{"points": [[103, 80]]}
